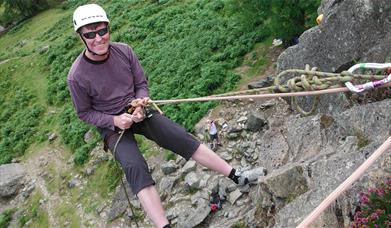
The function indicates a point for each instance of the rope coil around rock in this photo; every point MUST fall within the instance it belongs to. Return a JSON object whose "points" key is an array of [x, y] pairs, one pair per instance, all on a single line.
{"points": [[310, 79]]}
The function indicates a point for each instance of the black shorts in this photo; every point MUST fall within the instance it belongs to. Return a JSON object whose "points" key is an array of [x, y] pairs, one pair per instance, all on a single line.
{"points": [[157, 128], [213, 137]]}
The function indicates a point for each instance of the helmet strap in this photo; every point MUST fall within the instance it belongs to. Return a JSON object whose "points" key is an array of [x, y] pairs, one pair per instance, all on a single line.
{"points": [[89, 50]]}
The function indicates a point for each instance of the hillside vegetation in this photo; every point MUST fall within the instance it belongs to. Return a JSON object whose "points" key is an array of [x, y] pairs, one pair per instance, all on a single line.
{"points": [[188, 49]]}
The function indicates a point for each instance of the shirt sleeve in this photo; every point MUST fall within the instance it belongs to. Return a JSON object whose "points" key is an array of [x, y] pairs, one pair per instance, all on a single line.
{"points": [[140, 81], [83, 105]]}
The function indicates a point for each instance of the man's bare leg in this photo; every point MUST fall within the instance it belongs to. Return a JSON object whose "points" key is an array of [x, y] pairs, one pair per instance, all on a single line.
{"points": [[152, 205], [211, 160]]}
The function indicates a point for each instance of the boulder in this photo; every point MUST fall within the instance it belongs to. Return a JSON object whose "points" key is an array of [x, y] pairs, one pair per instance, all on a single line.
{"points": [[287, 183], [255, 122], [11, 179]]}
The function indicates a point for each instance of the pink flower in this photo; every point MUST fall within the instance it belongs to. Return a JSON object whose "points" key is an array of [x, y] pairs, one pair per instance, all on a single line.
{"points": [[380, 192], [379, 211], [374, 216], [364, 198], [364, 220]]}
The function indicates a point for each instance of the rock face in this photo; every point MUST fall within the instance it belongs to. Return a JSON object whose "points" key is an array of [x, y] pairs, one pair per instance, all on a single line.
{"points": [[352, 31], [11, 177]]}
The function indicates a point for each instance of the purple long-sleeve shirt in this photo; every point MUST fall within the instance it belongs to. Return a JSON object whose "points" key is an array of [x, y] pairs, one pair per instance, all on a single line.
{"points": [[100, 90]]}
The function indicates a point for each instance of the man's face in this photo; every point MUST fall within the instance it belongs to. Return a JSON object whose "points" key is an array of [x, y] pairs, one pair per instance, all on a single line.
{"points": [[96, 37]]}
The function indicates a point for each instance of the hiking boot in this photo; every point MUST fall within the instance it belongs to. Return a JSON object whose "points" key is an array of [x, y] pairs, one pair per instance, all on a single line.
{"points": [[249, 176]]}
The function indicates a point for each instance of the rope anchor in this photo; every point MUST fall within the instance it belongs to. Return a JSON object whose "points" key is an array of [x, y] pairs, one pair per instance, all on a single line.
{"points": [[311, 82]]}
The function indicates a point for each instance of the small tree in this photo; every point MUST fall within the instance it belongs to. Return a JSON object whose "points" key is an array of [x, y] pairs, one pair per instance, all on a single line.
{"points": [[285, 19], [290, 18], [23, 8]]}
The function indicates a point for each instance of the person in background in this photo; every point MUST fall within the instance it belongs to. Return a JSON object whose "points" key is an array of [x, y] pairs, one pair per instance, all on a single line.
{"points": [[213, 133], [103, 81]]}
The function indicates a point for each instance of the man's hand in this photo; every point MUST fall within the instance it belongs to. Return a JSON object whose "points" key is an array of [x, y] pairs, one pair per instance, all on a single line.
{"points": [[123, 121], [138, 114], [140, 102]]}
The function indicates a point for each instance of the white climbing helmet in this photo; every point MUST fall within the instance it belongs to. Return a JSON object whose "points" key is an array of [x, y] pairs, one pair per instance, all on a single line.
{"points": [[88, 14]]}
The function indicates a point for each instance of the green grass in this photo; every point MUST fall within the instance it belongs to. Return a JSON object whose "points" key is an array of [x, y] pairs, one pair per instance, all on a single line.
{"points": [[66, 213], [53, 178], [34, 212], [6, 217], [99, 187], [25, 39], [256, 62], [28, 72], [23, 84]]}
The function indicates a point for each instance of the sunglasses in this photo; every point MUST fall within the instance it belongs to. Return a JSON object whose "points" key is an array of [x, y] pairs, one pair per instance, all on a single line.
{"points": [[92, 35]]}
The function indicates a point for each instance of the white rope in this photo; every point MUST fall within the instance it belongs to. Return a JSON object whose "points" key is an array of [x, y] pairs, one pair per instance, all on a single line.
{"points": [[345, 185]]}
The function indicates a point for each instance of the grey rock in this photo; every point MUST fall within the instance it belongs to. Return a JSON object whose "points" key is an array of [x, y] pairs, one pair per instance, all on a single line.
{"points": [[169, 167], [167, 183], [304, 137], [11, 179], [89, 171], [74, 182], [204, 180], [120, 202], [88, 136], [266, 82], [232, 135], [255, 122], [190, 166], [226, 156], [195, 217], [235, 195], [242, 119], [192, 180], [43, 49], [329, 172], [180, 161], [287, 183], [52, 136], [28, 190]]}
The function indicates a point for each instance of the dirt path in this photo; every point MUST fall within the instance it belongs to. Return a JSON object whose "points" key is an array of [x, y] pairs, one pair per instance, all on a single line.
{"points": [[272, 55], [5, 61], [36, 169], [48, 165]]}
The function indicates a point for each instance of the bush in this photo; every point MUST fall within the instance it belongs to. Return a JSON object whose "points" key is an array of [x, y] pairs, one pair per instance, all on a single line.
{"points": [[375, 207], [5, 218]]}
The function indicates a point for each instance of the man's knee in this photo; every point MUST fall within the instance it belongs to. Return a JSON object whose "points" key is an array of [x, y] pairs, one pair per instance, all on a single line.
{"points": [[137, 175], [135, 169]]}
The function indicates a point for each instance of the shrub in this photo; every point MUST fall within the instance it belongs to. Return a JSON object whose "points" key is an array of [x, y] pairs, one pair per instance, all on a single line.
{"points": [[375, 207], [5, 217]]}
